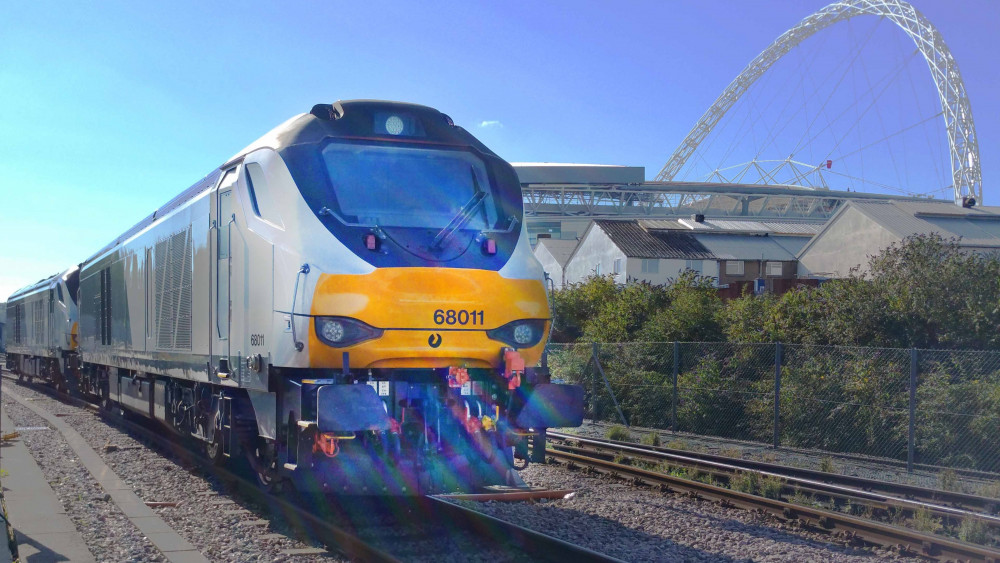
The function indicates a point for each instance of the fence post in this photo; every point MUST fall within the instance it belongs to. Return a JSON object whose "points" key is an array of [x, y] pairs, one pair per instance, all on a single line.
{"points": [[673, 402], [607, 384], [911, 440], [777, 394]]}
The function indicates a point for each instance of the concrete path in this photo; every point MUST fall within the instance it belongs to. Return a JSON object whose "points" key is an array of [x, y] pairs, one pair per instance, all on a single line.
{"points": [[174, 547], [44, 531]]}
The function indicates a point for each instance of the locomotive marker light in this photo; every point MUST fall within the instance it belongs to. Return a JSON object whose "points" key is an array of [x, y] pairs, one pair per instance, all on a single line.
{"points": [[489, 247], [394, 125]]}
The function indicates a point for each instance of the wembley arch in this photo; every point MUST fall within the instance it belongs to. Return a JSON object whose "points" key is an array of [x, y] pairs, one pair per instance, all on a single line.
{"points": [[957, 113]]}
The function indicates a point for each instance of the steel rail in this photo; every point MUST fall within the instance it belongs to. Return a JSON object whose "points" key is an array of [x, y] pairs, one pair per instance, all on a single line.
{"points": [[819, 490], [886, 462], [540, 546], [962, 502], [855, 531]]}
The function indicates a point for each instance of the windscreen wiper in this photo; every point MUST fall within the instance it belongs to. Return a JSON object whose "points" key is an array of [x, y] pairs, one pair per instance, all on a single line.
{"points": [[463, 216]]}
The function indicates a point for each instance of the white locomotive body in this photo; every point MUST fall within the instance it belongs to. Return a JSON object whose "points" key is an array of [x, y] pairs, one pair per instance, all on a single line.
{"points": [[350, 302], [42, 328]]}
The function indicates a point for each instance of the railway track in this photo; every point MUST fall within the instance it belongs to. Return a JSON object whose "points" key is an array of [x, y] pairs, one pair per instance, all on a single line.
{"points": [[985, 505], [321, 519], [636, 464]]}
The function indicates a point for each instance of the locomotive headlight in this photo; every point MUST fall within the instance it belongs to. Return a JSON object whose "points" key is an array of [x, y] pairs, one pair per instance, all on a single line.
{"points": [[523, 334], [519, 334], [331, 330], [343, 331]]}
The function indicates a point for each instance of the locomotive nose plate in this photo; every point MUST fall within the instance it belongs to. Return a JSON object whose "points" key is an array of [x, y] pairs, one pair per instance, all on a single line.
{"points": [[431, 317], [430, 298]]}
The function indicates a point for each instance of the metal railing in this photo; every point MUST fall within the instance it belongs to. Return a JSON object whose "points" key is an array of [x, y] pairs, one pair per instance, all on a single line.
{"points": [[937, 407]]}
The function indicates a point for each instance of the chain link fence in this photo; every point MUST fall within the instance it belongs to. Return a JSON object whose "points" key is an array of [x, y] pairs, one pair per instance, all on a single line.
{"points": [[934, 407]]}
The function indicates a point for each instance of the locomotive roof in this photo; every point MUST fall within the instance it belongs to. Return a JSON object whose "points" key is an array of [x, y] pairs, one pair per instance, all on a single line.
{"points": [[40, 284], [347, 118], [324, 120]]}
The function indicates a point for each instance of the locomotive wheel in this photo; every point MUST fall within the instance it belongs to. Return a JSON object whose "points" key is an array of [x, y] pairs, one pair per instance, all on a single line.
{"points": [[213, 450], [264, 467], [270, 482]]}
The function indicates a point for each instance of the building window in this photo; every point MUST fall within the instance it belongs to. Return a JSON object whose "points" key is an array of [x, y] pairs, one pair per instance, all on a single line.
{"points": [[695, 265], [650, 266], [618, 265], [734, 267], [774, 269], [597, 269]]}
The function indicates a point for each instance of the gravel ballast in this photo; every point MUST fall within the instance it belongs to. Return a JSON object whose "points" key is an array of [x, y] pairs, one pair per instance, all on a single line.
{"points": [[605, 515], [221, 526], [637, 524]]}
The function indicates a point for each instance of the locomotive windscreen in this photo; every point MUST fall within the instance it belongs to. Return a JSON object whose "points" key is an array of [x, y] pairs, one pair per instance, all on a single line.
{"points": [[429, 191], [393, 186]]}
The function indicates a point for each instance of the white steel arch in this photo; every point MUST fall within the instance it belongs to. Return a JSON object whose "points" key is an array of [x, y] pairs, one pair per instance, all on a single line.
{"points": [[957, 113]]}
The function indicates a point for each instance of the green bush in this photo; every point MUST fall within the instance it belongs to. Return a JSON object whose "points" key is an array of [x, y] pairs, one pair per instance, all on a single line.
{"points": [[619, 434], [924, 292], [651, 439]]}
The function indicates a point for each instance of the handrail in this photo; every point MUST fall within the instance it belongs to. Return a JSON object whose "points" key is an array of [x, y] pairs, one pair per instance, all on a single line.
{"points": [[304, 270]]}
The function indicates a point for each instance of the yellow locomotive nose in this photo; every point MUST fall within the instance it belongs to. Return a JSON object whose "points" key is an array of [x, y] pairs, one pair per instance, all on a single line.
{"points": [[427, 317]]}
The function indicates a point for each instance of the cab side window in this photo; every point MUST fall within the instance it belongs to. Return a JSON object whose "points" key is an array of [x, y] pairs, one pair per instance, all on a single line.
{"points": [[262, 197]]}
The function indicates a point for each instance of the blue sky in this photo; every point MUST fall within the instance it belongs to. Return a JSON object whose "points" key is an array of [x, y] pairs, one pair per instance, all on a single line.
{"points": [[109, 109]]}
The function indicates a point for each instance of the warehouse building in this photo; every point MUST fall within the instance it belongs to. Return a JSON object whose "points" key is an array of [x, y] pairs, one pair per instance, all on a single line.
{"points": [[862, 229], [739, 255], [553, 255]]}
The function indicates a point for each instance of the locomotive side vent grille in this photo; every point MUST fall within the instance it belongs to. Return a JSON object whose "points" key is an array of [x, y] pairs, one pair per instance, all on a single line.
{"points": [[38, 314], [173, 272]]}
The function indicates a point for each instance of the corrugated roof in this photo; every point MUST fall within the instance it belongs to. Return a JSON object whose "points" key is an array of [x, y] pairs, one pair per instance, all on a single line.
{"points": [[637, 242], [743, 247], [663, 224], [977, 226], [772, 227], [795, 228], [560, 249]]}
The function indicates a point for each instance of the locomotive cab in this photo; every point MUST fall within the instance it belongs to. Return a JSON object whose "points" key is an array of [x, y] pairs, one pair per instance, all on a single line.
{"points": [[441, 328]]}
